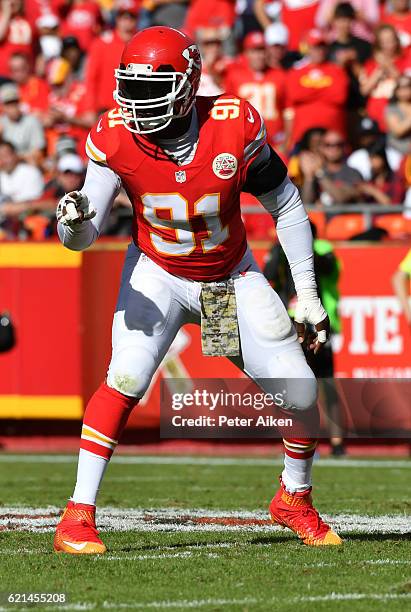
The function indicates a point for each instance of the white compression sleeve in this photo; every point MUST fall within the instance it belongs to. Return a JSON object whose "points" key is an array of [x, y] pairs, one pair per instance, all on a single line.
{"points": [[101, 186], [294, 233]]}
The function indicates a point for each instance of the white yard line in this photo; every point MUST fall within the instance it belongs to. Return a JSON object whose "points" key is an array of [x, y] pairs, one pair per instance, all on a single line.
{"points": [[352, 597], [200, 603], [108, 605], [49, 608], [183, 603], [211, 461], [40, 520]]}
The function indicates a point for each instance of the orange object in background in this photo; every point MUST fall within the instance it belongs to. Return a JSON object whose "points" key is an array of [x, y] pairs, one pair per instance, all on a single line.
{"points": [[343, 227], [37, 226], [319, 220], [397, 226]]}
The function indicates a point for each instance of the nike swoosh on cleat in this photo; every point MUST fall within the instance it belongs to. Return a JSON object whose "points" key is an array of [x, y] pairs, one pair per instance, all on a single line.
{"points": [[79, 546]]}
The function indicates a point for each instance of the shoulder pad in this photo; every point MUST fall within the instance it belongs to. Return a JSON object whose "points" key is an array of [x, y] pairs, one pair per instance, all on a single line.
{"points": [[100, 139]]}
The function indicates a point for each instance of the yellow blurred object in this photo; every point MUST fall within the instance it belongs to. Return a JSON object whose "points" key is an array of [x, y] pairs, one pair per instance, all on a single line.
{"points": [[106, 5], [58, 71]]}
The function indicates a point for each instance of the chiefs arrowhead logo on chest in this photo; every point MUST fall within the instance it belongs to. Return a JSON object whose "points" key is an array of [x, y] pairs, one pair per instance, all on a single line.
{"points": [[225, 165]]}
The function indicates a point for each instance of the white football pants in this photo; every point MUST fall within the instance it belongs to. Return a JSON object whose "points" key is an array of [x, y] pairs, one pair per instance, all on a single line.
{"points": [[153, 305]]}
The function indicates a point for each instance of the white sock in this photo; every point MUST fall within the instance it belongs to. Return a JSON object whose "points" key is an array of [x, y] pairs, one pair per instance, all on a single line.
{"points": [[296, 475], [90, 472]]}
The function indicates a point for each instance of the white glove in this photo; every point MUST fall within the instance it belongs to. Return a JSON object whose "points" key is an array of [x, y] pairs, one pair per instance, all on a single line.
{"points": [[74, 208], [310, 310]]}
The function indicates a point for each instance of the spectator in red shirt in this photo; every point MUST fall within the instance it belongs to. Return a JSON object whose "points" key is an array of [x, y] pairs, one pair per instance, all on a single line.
{"points": [[70, 112], [380, 73], [210, 14], [15, 33], [82, 19], [33, 9], [264, 87], [214, 62], [297, 16], [400, 19], [33, 90], [104, 57], [316, 92]]}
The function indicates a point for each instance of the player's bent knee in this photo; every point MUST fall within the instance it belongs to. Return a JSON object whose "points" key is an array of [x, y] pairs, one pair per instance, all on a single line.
{"points": [[131, 370], [302, 393], [289, 373]]}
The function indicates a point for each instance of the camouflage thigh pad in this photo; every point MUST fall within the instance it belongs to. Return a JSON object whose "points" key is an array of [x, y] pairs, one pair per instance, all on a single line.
{"points": [[219, 325]]}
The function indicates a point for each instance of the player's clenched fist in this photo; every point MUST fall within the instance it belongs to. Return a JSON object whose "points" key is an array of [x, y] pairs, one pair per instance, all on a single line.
{"points": [[310, 310], [74, 208]]}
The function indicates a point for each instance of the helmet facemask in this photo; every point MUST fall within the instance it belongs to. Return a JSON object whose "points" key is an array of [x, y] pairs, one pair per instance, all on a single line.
{"points": [[150, 100]]}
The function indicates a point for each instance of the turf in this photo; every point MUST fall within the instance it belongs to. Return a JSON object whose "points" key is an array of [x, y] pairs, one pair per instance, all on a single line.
{"points": [[222, 570]]}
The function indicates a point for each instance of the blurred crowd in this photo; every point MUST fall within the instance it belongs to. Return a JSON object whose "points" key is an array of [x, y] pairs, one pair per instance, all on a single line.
{"points": [[331, 79]]}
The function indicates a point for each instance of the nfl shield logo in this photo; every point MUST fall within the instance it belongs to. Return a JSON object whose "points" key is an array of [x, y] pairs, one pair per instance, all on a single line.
{"points": [[181, 176]]}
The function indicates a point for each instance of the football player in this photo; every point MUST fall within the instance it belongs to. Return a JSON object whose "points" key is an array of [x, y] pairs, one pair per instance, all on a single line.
{"points": [[183, 161]]}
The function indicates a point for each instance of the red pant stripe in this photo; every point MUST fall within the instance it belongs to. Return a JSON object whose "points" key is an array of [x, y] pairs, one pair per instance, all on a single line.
{"points": [[96, 449]]}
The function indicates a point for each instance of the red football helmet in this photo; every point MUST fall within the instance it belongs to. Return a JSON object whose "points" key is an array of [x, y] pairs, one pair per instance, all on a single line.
{"points": [[158, 79]]}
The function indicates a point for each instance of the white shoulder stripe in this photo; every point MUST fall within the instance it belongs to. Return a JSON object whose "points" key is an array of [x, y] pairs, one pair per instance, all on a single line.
{"points": [[259, 141], [94, 152]]}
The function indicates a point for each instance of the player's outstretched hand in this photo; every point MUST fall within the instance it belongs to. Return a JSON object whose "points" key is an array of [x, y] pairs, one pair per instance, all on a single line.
{"points": [[312, 311], [74, 208]]}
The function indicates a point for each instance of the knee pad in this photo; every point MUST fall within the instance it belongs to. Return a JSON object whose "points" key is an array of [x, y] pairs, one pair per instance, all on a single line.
{"points": [[131, 370], [301, 394], [292, 376]]}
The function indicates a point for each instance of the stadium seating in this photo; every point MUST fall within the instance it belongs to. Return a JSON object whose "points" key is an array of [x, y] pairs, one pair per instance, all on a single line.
{"points": [[344, 227], [397, 225]]}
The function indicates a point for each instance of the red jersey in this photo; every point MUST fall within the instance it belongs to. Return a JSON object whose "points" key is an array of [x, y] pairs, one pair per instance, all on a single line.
{"points": [[187, 218], [264, 90], [316, 96], [19, 38], [74, 103], [33, 9], [103, 58], [383, 92], [299, 17], [34, 95], [82, 21], [214, 13], [402, 24]]}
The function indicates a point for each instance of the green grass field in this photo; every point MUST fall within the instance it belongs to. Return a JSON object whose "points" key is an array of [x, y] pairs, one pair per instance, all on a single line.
{"points": [[174, 540]]}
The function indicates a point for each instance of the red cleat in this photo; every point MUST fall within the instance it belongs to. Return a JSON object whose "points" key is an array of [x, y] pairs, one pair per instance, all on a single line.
{"points": [[76, 533], [296, 511]]}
